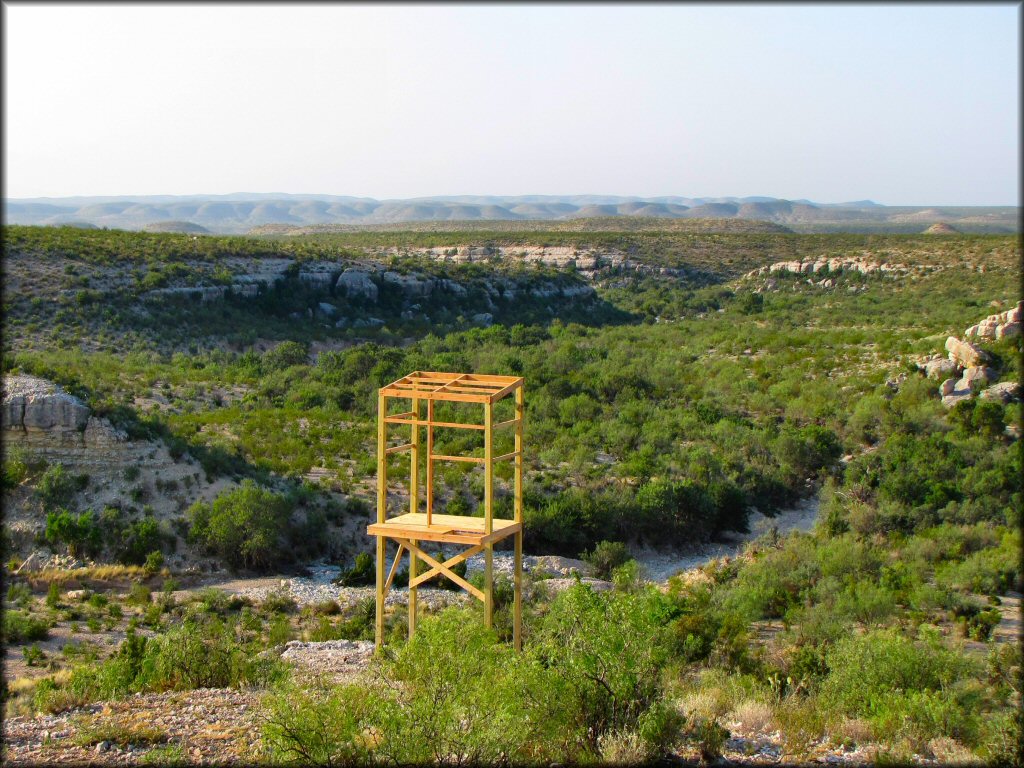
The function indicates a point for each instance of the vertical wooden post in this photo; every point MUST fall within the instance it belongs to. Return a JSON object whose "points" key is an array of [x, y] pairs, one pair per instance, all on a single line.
{"points": [[517, 598], [413, 562], [414, 506], [489, 513], [430, 460], [382, 491], [414, 460], [518, 488], [517, 605]]}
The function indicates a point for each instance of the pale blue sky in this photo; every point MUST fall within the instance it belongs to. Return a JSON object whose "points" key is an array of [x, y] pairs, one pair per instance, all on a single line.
{"points": [[906, 105]]}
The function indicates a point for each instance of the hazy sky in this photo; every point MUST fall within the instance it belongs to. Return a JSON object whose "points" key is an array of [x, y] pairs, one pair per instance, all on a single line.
{"points": [[901, 104]]}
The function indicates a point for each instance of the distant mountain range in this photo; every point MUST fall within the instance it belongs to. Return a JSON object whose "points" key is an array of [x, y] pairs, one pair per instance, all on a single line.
{"points": [[238, 213]]}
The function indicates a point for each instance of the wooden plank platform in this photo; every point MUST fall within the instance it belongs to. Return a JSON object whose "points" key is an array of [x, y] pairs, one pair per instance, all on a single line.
{"points": [[457, 529]]}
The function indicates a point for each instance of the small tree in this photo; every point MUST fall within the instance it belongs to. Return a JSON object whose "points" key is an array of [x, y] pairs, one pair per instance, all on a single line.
{"points": [[243, 526]]}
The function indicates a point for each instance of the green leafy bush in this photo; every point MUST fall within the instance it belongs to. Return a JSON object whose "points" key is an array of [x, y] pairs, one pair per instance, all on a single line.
{"points": [[80, 533], [244, 526], [20, 627], [606, 557], [608, 650], [56, 487]]}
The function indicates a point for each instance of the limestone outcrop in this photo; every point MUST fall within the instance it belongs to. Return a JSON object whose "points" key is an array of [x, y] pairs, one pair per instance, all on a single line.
{"points": [[965, 372], [833, 266], [999, 325], [356, 283], [964, 353], [31, 403], [39, 415]]}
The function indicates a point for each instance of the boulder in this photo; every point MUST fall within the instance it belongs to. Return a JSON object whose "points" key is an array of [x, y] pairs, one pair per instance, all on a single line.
{"points": [[1008, 329], [410, 285], [965, 353], [1004, 392], [947, 387], [976, 376], [950, 400], [940, 368], [356, 283], [483, 318], [327, 309]]}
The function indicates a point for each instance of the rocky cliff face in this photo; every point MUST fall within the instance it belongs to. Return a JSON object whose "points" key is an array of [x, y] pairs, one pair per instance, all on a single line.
{"points": [[39, 415]]}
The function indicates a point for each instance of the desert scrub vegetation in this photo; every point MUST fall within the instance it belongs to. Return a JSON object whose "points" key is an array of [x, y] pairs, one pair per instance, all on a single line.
{"points": [[683, 404], [455, 693]]}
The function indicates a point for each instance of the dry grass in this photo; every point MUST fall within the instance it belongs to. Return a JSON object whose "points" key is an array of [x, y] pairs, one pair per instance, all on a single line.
{"points": [[120, 734], [90, 573], [624, 748], [855, 731], [950, 751], [21, 691], [751, 717]]}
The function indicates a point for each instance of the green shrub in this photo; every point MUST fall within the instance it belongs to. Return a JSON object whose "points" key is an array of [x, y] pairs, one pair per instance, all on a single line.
{"points": [[606, 557], [20, 627], [244, 526], [79, 533], [361, 574], [608, 649], [33, 655], [193, 655], [56, 487], [138, 540], [154, 562], [320, 728], [19, 594], [918, 689]]}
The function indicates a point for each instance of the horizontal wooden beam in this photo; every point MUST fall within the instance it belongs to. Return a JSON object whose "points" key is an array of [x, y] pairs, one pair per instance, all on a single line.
{"points": [[468, 459], [501, 424], [398, 448], [507, 456], [506, 391], [472, 376], [430, 394], [427, 423]]}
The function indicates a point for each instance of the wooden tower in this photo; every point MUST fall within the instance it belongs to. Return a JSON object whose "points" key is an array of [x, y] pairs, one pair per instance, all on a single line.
{"points": [[476, 533]]}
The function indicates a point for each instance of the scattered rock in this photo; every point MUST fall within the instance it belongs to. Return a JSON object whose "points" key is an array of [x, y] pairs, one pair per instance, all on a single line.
{"points": [[483, 318], [340, 659], [327, 309]]}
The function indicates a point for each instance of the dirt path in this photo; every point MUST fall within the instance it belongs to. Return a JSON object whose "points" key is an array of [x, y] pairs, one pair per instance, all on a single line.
{"points": [[660, 566]]}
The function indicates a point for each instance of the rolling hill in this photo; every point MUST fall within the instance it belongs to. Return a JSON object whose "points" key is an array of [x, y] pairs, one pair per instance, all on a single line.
{"points": [[240, 213]]}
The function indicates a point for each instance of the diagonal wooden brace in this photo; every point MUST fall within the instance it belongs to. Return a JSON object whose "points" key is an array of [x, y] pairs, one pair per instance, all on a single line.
{"points": [[394, 568], [445, 567]]}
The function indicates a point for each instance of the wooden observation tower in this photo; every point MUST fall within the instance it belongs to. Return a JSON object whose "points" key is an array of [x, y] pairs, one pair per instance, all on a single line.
{"points": [[409, 530]]}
